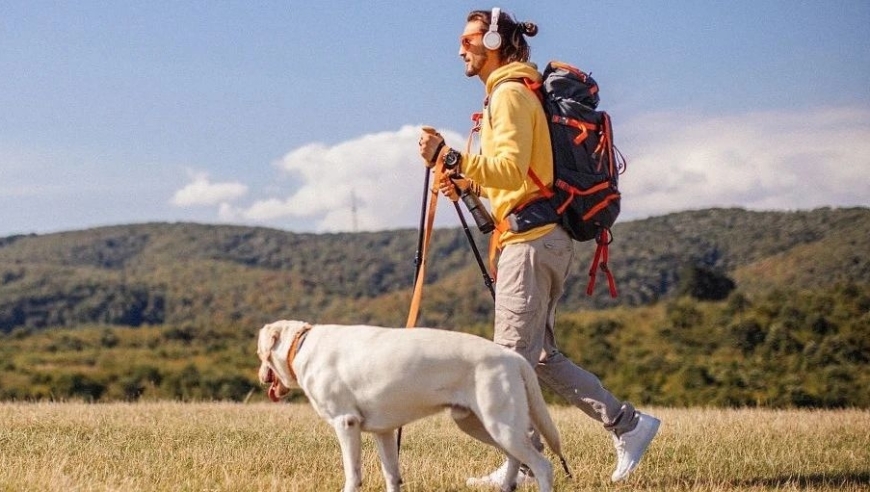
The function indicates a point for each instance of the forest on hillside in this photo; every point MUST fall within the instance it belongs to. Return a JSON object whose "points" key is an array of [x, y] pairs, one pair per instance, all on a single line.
{"points": [[722, 307], [787, 348], [151, 274]]}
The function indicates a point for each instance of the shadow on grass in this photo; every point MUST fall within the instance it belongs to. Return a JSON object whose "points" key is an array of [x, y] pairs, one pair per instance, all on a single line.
{"points": [[835, 480], [849, 481]]}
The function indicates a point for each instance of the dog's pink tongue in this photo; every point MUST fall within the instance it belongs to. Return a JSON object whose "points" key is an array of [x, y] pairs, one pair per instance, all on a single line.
{"points": [[273, 391]]}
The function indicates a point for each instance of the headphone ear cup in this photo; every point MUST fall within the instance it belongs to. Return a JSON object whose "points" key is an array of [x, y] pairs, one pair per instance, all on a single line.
{"points": [[492, 40]]}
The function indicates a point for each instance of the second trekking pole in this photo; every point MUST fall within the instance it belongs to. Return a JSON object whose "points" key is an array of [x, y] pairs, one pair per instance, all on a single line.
{"points": [[487, 279]]}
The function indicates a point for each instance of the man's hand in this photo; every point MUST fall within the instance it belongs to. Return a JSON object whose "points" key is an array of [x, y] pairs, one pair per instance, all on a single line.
{"points": [[431, 144], [448, 187], [452, 184]]}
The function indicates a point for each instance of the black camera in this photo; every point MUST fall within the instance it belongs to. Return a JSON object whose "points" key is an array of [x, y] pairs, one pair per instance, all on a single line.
{"points": [[478, 211]]}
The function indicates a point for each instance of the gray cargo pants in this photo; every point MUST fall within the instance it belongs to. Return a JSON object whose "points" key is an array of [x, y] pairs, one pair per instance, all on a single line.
{"points": [[531, 279]]}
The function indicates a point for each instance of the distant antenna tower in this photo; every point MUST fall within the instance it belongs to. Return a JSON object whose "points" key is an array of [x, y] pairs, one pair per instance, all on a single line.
{"points": [[353, 209]]}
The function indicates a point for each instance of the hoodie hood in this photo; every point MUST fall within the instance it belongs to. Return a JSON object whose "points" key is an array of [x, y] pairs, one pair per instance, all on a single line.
{"points": [[514, 70]]}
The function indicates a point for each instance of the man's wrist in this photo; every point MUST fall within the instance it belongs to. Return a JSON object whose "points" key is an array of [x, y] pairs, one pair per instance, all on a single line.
{"points": [[452, 159], [437, 152]]}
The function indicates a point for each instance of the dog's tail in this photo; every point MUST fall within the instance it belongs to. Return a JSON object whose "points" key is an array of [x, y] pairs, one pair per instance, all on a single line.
{"points": [[540, 415]]}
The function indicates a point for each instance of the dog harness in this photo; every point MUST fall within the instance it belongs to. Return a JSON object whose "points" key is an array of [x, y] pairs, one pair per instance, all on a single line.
{"points": [[295, 345]]}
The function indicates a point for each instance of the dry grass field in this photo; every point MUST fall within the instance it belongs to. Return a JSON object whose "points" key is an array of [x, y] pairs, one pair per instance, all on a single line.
{"points": [[285, 447]]}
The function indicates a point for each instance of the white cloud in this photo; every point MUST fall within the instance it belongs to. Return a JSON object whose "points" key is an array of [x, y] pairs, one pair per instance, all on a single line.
{"points": [[202, 192], [372, 182], [766, 160]]}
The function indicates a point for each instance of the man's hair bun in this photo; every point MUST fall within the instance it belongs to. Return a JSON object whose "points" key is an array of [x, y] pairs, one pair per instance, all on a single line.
{"points": [[529, 28]]}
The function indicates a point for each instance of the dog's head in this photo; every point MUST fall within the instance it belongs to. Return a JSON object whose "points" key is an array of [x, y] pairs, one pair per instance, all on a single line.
{"points": [[273, 344]]}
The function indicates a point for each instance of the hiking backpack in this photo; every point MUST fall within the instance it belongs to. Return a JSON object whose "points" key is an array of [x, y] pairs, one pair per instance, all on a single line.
{"points": [[584, 198]]}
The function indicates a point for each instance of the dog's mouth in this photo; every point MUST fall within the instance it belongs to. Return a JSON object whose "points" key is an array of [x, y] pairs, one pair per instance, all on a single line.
{"points": [[273, 391], [269, 376], [276, 390]]}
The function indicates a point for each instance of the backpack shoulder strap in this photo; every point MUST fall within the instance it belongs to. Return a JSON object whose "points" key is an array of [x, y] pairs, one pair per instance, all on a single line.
{"points": [[546, 191], [535, 88]]}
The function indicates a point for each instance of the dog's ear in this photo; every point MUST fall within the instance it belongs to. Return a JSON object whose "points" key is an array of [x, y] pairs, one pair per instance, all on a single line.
{"points": [[274, 335], [271, 333], [269, 336]]}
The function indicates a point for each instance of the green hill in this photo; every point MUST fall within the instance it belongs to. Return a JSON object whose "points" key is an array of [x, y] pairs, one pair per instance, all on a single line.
{"points": [[716, 307], [172, 273]]}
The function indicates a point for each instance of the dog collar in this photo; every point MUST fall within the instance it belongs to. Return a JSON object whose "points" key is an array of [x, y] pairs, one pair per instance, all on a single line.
{"points": [[295, 345]]}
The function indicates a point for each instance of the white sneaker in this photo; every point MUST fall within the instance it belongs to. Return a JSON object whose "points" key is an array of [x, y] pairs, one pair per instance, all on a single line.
{"points": [[631, 446], [496, 478]]}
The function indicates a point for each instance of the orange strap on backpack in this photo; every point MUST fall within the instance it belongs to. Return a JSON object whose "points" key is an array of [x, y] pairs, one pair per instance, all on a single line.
{"points": [[600, 261]]}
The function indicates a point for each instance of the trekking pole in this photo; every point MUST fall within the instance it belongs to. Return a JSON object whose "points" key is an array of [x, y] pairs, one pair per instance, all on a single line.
{"points": [[418, 256], [487, 279], [418, 263]]}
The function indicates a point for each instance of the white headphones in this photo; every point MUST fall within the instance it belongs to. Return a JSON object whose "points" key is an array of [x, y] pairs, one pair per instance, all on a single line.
{"points": [[492, 39]]}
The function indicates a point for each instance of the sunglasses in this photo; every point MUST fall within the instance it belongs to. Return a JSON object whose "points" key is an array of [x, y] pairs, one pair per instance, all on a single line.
{"points": [[465, 39]]}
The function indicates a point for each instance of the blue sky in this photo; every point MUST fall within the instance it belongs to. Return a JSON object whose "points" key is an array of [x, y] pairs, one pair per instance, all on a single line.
{"points": [[292, 114]]}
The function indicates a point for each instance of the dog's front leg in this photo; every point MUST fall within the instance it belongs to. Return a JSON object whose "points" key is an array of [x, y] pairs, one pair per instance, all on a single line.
{"points": [[347, 427], [388, 450]]}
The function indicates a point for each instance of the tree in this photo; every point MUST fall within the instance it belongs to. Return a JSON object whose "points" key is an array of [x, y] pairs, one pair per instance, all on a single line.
{"points": [[704, 284]]}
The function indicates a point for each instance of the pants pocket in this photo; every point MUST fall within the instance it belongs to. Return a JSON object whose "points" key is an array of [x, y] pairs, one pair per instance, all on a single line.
{"points": [[515, 321]]}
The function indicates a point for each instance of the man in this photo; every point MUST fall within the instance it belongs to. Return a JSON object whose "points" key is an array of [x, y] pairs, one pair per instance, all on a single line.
{"points": [[533, 265]]}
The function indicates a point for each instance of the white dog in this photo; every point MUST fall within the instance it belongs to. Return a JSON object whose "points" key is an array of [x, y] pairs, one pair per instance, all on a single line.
{"points": [[366, 378]]}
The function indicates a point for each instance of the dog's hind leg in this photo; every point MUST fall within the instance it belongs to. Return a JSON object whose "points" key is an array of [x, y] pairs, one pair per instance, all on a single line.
{"points": [[515, 441], [510, 477], [388, 450], [526, 453], [347, 427], [468, 422]]}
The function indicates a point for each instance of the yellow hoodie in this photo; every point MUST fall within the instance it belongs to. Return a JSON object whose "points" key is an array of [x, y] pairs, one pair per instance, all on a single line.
{"points": [[513, 137]]}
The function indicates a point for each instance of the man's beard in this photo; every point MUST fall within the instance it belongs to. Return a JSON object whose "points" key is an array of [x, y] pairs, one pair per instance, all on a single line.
{"points": [[474, 67]]}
